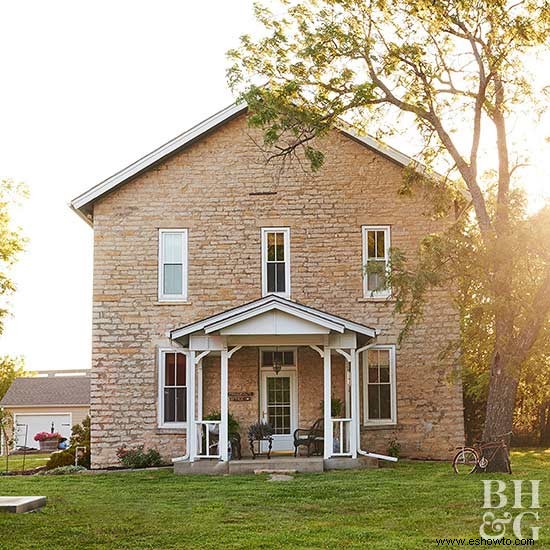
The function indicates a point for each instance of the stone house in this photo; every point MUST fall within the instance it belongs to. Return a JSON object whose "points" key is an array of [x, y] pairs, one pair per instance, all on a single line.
{"points": [[222, 284]]}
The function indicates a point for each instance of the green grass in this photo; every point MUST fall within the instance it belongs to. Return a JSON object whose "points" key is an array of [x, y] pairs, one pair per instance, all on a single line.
{"points": [[15, 462], [402, 507]]}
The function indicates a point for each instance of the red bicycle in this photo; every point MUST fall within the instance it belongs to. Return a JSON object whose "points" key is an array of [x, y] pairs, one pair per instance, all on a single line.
{"points": [[480, 455]]}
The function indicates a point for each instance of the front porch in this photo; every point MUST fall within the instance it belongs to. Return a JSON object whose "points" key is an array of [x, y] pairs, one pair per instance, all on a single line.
{"points": [[275, 465], [280, 363]]}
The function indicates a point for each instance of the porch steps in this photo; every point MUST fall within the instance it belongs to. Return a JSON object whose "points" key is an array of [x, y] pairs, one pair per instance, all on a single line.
{"points": [[276, 465]]}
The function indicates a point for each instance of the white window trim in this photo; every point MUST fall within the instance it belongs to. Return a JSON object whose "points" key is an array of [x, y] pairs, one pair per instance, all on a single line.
{"points": [[172, 297], [286, 242], [293, 349], [386, 293], [393, 389], [160, 388]]}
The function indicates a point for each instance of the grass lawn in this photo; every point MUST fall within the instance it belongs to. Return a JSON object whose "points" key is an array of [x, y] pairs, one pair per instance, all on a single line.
{"points": [[403, 507], [15, 462]]}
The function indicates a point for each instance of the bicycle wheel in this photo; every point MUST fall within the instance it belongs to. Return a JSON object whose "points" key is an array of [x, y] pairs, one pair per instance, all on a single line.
{"points": [[465, 461]]}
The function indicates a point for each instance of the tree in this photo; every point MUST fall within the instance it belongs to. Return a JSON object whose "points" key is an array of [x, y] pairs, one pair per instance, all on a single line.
{"points": [[11, 241], [11, 244], [456, 71], [10, 369]]}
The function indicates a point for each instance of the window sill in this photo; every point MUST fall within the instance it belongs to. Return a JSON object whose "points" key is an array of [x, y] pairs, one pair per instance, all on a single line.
{"points": [[167, 430], [388, 299], [385, 426], [172, 303]]}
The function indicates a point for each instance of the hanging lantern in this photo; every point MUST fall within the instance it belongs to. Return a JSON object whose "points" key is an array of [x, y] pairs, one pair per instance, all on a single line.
{"points": [[277, 362]]}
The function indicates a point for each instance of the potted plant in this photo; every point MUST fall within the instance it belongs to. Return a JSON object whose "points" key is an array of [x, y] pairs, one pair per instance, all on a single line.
{"points": [[48, 440]]}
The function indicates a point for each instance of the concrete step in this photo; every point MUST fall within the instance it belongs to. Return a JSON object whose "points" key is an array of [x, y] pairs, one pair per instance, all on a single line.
{"points": [[276, 465], [21, 505]]}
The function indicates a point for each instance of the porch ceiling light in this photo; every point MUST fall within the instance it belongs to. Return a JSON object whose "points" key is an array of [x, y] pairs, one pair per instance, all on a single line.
{"points": [[276, 363]]}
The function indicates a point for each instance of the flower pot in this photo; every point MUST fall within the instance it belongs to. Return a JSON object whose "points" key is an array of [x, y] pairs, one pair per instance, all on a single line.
{"points": [[48, 445]]}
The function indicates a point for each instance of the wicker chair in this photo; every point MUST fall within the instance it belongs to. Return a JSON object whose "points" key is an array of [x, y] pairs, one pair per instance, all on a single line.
{"points": [[309, 437]]}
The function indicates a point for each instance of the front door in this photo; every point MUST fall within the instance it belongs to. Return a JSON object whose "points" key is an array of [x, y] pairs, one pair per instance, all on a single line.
{"points": [[279, 406]]}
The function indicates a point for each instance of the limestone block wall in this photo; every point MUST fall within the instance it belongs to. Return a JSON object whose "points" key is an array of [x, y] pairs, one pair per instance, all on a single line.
{"points": [[211, 189]]}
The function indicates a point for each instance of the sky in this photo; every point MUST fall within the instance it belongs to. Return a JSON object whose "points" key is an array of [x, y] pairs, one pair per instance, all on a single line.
{"points": [[87, 88]]}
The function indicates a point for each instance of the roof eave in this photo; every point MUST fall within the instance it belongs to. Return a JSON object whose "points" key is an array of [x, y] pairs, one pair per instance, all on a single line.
{"points": [[83, 203]]}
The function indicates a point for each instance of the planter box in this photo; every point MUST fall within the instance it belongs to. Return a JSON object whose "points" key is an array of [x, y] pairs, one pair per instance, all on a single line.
{"points": [[50, 445]]}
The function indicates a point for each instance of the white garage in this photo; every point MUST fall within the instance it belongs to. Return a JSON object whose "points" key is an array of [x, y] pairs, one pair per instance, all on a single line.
{"points": [[28, 425], [45, 404]]}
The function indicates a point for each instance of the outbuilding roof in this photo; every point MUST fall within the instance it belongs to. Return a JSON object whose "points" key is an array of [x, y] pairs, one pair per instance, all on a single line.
{"points": [[48, 391]]}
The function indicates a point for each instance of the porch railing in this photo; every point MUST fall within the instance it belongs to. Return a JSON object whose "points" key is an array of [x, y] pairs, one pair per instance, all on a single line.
{"points": [[208, 437], [341, 436]]}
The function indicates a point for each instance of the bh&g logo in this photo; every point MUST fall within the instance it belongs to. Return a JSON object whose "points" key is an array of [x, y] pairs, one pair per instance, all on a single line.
{"points": [[495, 497]]}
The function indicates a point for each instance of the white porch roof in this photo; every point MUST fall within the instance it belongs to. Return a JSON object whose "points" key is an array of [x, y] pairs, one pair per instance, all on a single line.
{"points": [[272, 316]]}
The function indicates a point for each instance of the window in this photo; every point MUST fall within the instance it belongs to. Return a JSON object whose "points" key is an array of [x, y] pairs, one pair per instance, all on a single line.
{"points": [[284, 358], [379, 389], [172, 389], [276, 261], [172, 264], [376, 259]]}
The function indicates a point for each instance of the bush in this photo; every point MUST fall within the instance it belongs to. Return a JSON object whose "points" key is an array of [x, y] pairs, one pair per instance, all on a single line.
{"points": [[62, 470], [138, 457], [394, 448], [80, 437], [60, 459]]}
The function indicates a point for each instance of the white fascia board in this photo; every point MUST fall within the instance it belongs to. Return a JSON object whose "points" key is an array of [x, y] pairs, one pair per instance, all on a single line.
{"points": [[382, 148], [350, 325], [158, 154], [199, 325], [316, 319], [267, 300]]}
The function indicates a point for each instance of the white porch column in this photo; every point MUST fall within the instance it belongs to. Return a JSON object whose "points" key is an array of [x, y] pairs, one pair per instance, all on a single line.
{"points": [[191, 404], [224, 442], [199, 390], [327, 400], [354, 427]]}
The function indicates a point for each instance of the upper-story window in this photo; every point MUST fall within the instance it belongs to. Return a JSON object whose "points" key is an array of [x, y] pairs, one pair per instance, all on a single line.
{"points": [[276, 261], [172, 265], [376, 259]]}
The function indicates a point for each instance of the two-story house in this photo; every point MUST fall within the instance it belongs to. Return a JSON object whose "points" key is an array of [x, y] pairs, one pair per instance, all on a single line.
{"points": [[222, 284]]}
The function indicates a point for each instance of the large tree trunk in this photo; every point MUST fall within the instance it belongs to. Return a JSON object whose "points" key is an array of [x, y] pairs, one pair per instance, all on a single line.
{"points": [[503, 385]]}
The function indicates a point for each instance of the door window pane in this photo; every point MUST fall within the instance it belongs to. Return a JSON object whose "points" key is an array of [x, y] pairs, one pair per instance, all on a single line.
{"points": [[278, 403]]}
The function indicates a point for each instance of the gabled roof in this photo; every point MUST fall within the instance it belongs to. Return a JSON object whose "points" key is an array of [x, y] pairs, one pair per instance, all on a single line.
{"points": [[272, 302], [48, 391], [83, 204]]}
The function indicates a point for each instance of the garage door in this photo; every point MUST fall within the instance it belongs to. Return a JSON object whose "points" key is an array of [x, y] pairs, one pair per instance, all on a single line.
{"points": [[31, 424]]}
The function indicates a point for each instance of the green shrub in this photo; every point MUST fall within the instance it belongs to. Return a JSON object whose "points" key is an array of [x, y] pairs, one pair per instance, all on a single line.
{"points": [[138, 457], [80, 437], [62, 470], [394, 448], [60, 459]]}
